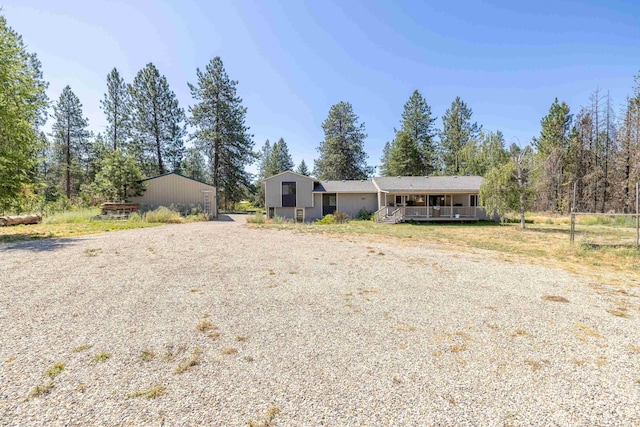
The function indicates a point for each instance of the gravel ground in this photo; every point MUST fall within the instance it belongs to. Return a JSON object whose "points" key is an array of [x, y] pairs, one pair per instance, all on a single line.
{"points": [[309, 330]]}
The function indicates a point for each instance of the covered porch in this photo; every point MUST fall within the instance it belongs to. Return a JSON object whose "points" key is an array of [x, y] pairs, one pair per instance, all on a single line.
{"points": [[400, 207]]}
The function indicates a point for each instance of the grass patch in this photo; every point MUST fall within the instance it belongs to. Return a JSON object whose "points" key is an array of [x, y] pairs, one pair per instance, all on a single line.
{"points": [[147, 355], [257, 218], [53, 371], [189, 363], [555, 298], [101, 357], [81, 348], [163, 215], [541, 243], [205, 325], [151, 393], [268, 420], [41, 390], [229, 351]]}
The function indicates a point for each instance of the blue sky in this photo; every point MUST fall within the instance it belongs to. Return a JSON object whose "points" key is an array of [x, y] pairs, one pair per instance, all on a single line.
{"points": [[507, 60]]}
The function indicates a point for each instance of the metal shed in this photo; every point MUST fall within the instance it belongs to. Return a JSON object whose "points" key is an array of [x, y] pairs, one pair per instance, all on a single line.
{"points": [[179, 192]]}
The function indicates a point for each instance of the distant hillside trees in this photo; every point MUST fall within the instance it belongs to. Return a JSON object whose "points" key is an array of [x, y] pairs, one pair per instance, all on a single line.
{"points": [[220, 131], [342, 154]]}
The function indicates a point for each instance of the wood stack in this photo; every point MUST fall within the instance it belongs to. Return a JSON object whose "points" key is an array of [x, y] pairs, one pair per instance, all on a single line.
{"points": [[114, 210], [22, 219]]}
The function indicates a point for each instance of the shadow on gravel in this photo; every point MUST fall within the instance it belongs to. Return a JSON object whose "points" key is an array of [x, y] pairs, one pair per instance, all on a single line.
{"points": [[224, 217], [44, 245]]}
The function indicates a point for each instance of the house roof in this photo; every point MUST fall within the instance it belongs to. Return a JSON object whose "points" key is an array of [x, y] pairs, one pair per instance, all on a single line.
{"points": [[282, 173], [430, 183], [176, 173], [346, 186]]}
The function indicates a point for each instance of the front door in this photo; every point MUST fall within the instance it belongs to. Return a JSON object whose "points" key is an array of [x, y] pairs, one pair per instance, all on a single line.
{"points": [[329, 203]]}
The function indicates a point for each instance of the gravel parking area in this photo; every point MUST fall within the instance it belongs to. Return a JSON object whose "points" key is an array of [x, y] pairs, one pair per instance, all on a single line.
{"points": [[221, 324]]}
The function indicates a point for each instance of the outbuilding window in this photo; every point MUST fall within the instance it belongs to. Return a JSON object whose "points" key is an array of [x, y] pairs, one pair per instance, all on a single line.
{"points": [[288, 194]]}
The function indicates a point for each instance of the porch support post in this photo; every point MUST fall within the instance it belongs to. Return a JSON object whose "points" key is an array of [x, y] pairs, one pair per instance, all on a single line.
{"points": [[451, 206], [427, 206]]}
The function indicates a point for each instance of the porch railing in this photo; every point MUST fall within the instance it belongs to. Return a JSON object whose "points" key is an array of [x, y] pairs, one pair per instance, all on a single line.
{"points": [[414, 212]]}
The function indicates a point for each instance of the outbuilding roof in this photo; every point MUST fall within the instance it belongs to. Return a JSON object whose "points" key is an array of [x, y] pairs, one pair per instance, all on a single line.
{"points": [[346, 186], [429, 183], [176, 173]]}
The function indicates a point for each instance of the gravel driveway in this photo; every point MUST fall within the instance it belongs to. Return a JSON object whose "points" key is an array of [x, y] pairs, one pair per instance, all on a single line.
{"points": [[221, 324]]}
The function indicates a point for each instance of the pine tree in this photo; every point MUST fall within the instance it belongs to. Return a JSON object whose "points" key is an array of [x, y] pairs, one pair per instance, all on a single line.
{"points": [[457, 132], [157, 122], [71, 139], [116, 107], [119, 177], [342, 153], [220, 130], [194, 165], [21, 83], [419, 124], [404, 157], [383, 169], [281, 160], [552, 148], [264, 161], [303, 169]]}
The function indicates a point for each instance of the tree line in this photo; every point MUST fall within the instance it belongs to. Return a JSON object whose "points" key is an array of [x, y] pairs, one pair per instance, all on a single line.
{"points": [[595, 151]]}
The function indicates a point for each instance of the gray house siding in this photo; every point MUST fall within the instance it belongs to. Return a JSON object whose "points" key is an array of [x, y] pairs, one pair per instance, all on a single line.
{"points": [[352, 203], [273, 190], [314, 213]]}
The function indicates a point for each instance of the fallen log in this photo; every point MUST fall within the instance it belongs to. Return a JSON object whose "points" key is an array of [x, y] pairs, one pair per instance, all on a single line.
{"points": [[17, 220]]}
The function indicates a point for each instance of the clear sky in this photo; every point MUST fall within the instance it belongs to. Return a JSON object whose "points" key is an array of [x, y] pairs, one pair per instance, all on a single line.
{"points": [[293, 59]]}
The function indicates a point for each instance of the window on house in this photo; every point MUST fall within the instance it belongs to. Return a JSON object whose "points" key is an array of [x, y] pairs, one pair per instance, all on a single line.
{"points": [[473, 200], [288, 194]]}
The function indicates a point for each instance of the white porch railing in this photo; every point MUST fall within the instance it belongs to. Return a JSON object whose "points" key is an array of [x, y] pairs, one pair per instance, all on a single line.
{"points": [[421, 212]]}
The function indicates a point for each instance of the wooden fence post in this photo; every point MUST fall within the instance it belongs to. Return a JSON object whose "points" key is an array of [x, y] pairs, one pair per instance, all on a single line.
{"points": [[572, 227]]}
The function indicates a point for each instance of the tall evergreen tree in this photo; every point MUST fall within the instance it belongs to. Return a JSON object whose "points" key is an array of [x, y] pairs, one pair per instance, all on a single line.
{"points": [[552, 147], [419, 124], [264, 160], [628, 159], [116, 107], [194, 165], [157, 122], [342, 153], [220, 130], [71, 139], [383, 169], [457, 132], [281, 160], [303, 169], [404, 157], [23, 103]]}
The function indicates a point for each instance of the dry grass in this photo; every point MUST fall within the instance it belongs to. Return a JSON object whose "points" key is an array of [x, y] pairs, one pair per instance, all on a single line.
{"points": [[554, 298], [268, 420], [41, 390], [189, 363], [151, 393], [541, 243], [147, 355], [205, 325], [229, 351], [81, 348]]}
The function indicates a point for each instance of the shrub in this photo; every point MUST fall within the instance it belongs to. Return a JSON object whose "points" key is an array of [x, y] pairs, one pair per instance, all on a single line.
{"points": [[279, 220], [71, 217], [341, 217], [257, 218], [135, 217], [163, 215], [244, 205], [364, 215], [327, 219]]}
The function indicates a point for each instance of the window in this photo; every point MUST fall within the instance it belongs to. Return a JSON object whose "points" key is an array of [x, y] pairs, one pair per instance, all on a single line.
{"points": [[271, 212], [473, 200], [288, 194]]}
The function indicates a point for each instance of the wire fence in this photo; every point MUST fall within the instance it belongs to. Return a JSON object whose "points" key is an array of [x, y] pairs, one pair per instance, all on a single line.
{"points": [[607, 229]]}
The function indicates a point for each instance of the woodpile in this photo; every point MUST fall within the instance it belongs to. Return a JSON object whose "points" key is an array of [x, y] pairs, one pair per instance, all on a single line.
{"points": [[17, 220], [113, 210]]}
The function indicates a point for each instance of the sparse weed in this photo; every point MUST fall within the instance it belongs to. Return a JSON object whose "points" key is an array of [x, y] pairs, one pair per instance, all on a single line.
{"points": [[147, 355], [151, 393], [81, 348], [554, 298], [101, 357], [205, 325], [41, 389], [192, 361], [53, 371], [268, 420], [229, 351]]}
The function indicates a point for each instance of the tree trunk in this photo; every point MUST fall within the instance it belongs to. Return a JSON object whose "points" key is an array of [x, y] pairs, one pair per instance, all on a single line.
{"points": [[68, 159]]}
